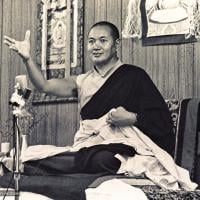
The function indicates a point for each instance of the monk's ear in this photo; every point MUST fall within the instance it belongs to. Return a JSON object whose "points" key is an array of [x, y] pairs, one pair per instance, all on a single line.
{"points": [[117, 43]]}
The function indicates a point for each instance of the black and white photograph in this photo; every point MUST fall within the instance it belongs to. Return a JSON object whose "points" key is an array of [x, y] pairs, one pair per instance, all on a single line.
{"points": [[100, 99]]}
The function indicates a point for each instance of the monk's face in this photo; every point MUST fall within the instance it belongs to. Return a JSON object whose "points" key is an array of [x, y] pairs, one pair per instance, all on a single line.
{"points": [[101, 46]]}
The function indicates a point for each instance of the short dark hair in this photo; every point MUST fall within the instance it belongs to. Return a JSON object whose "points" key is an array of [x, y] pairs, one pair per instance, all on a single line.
{"points": [[114, 30]]}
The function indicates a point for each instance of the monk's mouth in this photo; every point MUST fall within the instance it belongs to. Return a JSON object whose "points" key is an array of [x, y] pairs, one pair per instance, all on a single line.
{"points": [[96, 54]]}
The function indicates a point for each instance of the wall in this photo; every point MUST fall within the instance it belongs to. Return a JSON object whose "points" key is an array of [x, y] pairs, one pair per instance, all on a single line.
{"points": [[17, 16], [174, 68]]}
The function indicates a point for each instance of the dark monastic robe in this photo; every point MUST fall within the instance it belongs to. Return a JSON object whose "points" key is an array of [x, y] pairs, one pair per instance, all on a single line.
{"points": [[131, 87]]}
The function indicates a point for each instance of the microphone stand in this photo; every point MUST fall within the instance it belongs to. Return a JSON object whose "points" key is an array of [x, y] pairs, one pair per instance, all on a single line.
{"points": [[16, 157], [18, 104]]}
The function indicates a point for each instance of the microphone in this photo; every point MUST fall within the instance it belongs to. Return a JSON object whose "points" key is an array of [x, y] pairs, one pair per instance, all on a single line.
{"points": [[21, 93], [23, 86]]}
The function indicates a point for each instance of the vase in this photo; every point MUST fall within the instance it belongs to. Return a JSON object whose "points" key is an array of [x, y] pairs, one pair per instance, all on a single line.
{"points": [[24, 144]]}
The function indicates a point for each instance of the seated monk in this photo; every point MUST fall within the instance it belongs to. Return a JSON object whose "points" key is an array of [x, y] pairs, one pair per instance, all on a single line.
{"points": [[113, 97]]}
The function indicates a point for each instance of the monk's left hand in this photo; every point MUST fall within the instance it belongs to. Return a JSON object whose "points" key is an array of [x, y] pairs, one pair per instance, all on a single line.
{"points": [[121, 117]]}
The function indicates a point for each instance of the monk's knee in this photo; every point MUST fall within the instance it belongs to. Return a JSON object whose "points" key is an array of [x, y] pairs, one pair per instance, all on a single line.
{"points": [[104, 161]]}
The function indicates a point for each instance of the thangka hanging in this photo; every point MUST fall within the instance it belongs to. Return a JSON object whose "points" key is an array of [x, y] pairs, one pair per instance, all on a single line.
{"points": [[163, 21]]}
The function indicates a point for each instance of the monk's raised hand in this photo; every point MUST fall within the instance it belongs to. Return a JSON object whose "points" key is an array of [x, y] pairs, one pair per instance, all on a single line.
{"points": [[21, 47]]}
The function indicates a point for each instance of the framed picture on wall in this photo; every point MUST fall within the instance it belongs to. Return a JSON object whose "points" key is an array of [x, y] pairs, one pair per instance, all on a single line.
{"points": [[169, 21], [59, 42], [163, 21]]}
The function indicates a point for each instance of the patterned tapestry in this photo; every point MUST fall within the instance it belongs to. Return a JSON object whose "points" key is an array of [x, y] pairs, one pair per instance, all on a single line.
{"points": [[59, 42]]}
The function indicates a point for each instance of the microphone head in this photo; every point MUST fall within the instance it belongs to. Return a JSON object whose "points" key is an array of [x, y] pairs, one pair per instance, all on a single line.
{"points": [[22, 81], [23, 86]]}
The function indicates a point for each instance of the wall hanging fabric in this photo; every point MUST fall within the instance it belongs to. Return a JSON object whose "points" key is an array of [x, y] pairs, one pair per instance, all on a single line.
{"points": [[59, 42]]}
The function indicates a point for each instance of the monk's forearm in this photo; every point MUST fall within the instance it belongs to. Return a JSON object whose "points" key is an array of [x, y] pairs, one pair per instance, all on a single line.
{"points": [[35, 74]]}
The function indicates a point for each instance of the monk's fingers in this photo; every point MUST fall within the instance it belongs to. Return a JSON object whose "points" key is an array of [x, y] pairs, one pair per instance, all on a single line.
{"points": [[9, 39], [111, 113], [7, 42], [13, 47], [27, 35], [109, 116], [108, 120], [111, 121], [113, 116], [10, 44]]}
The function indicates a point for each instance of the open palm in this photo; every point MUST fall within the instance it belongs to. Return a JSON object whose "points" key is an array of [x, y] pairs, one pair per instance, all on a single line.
{"points": [[21, 47]]}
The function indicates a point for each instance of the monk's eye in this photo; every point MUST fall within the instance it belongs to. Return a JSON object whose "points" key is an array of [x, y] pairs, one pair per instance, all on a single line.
{"points": [[103, 40], [90, 41]]}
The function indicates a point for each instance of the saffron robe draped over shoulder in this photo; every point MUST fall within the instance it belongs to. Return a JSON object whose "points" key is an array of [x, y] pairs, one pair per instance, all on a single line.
{"points": [[131, 87]]}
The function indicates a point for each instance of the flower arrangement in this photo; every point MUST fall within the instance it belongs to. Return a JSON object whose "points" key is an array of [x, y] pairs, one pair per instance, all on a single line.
{"points": [[27, 123]]}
